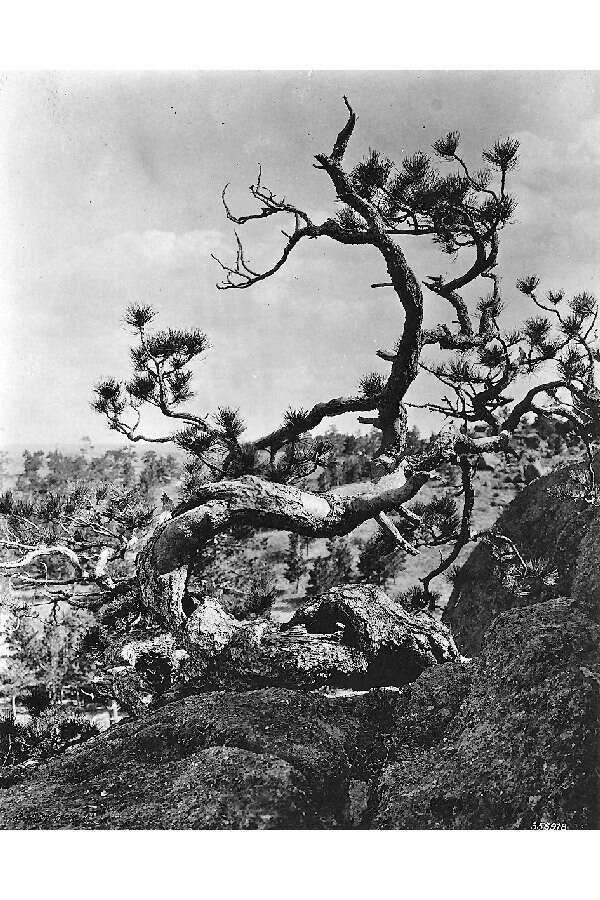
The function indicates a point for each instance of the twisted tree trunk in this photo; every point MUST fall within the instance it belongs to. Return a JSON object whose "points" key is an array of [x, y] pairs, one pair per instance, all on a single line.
{"points": [[167, 560]]}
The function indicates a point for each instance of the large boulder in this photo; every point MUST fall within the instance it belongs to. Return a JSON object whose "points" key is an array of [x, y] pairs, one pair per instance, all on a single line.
{"points": [[521, 749], [353, 637], [549, 523], [395, 645], [260, 759]]}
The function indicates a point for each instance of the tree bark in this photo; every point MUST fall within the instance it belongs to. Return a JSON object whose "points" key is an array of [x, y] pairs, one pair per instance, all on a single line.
{"points": [[167, 560]]}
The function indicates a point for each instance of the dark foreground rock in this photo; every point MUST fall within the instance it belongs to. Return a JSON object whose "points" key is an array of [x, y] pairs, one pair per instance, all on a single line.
{"points": [[523, 749], [260, 759], [555, 528], [508, 740]]}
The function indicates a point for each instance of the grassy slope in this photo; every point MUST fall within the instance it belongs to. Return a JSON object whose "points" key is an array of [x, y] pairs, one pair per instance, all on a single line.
{"points": [[492, 497], [493, 493]]}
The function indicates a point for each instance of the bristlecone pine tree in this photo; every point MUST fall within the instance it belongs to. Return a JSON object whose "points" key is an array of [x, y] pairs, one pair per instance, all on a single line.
{"points": [[232, 481]]}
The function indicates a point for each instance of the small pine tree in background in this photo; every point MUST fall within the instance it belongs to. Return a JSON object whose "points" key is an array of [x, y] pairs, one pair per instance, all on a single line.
{"points": [[321, 577], [333, 570], [295, 565], [380, 559], [341, 563]]}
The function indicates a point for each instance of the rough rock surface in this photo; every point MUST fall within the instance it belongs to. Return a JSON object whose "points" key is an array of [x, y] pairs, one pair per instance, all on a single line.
{"points": [[140, 665], [549, 523], [143, 662], [351, 637], [586, 574], [395, 645], [264, 655], [208, 630], [508, 740], [261, 759], [523, 748]]}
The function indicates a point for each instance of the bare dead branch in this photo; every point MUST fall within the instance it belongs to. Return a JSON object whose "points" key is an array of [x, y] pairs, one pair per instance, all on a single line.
{"points": [[42, 551], [240, 276], [341, 142], [388, 526]]}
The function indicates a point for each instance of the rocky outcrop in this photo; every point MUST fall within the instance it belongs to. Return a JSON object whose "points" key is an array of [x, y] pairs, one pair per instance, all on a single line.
{"points": [[508, 740], [393, 644], [354, 637], [523, 748], [550, 523], [260, 759]]}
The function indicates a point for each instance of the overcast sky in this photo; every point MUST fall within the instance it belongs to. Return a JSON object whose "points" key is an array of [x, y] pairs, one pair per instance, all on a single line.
{"points": [[110, 194]]}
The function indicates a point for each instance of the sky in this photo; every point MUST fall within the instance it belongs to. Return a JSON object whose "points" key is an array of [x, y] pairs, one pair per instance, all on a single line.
{"points": [[110, 194]]}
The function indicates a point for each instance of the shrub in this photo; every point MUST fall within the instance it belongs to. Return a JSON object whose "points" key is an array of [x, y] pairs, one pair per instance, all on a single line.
{"points": [[414, 600], [49, 734], [37, 699], [13, 746], [380, 559], [259, 595]]}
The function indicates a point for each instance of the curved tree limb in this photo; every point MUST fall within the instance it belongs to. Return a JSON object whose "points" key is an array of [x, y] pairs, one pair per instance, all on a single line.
{"points": [[337, 406], [175, 546], [165, 564], [34, 554]]}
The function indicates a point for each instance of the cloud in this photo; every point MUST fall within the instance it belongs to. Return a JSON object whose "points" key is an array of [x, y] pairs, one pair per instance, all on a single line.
{"points": [[557, 186], [567, 169], [168, 249], [153, 248]]}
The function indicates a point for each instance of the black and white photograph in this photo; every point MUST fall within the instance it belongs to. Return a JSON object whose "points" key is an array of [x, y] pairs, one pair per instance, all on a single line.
{"points": [[300, 450]]}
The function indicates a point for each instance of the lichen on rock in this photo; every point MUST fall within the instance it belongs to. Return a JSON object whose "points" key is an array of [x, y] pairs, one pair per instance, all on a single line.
{"points": [[550, 522], [523, 750]]}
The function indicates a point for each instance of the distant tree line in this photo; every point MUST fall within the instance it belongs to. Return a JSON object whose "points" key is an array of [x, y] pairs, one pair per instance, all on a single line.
{"points": [[45, 472]]}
